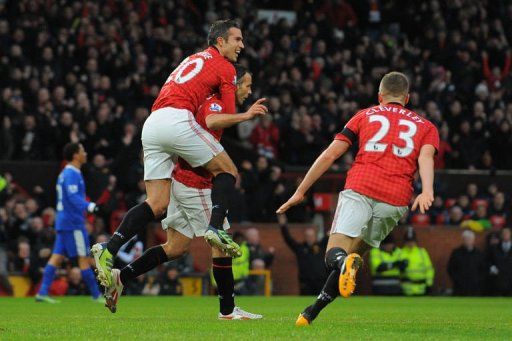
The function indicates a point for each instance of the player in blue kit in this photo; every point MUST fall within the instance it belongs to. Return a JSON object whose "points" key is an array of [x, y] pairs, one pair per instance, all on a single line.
{"points": [[72, 240]]}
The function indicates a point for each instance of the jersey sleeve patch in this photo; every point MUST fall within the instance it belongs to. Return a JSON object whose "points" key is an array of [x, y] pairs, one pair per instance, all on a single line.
{"points": [[72, 189], [215, 107]]}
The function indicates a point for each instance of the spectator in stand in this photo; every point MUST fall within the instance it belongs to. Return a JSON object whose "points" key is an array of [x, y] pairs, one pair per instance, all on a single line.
{"points": [[464, 203], [455, 217], [169, 282], [472, 192], [495, 77], [256, 250], [479, 221], [75, 284], [501, 264], [4, 282], [265, 137], [498, 211], [436, 212], [24, 263], [310, 257], [467, 267]]}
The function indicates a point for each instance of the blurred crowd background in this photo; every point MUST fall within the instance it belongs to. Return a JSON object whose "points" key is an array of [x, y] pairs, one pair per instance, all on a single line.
{"points": [[89, 71]]}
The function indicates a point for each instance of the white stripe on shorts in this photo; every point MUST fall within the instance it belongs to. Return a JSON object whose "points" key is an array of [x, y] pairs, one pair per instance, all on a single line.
{"points": [[199, 131], [80, 243]]}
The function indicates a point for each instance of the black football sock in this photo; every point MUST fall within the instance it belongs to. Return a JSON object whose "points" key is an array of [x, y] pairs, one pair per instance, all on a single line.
{"points": [[334, 259], [223, 274], [149, 260], [133, 222], [329, 292], [222, 193]]}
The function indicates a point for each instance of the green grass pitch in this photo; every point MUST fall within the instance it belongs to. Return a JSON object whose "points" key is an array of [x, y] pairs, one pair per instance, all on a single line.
{"points": [[188, 318]]}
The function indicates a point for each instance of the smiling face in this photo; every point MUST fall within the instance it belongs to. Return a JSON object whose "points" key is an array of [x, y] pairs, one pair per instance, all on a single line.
{"points": [[243, 88], [231, 47]]}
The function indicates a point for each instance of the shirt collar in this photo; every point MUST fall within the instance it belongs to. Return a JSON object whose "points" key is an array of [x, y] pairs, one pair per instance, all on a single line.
{"points": [[73, 168]]}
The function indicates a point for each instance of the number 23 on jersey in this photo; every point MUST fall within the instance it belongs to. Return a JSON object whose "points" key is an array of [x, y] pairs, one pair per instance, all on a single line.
{"points": [[407, 131]]}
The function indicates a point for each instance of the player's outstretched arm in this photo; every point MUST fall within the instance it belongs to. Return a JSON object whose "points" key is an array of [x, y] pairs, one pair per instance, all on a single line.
{"points": [[221, 121], [426, 170], [335, 150]]}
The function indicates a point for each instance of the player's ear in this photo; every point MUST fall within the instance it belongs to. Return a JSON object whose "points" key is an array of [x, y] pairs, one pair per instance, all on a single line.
{"points": [[379, 97], [407, 99]]}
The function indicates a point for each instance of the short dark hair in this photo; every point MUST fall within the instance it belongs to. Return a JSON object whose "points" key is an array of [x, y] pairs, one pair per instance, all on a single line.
{"points": [[70, 150], [395, 84], [240, 72], [220, 28]]}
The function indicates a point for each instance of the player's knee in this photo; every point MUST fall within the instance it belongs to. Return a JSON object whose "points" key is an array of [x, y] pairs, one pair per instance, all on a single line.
{"points": [[159, 205], [334, 258], [222, 164], [173, 250]]}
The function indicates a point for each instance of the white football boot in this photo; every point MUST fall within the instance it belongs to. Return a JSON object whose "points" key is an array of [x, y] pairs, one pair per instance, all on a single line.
{"points": [[239, 314], [114, 291]]}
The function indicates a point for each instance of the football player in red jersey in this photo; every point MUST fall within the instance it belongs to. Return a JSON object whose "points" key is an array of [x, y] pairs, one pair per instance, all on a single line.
{"points": [[171, 131], [189, 210], [393, 143]]}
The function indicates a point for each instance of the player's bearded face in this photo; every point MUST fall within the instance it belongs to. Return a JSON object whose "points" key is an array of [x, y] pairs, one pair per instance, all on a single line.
{"points": [[244, 89], [232, 47]]}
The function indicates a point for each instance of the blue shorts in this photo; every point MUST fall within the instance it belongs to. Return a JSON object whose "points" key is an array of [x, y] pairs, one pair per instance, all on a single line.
{"points": [[72, 243]]}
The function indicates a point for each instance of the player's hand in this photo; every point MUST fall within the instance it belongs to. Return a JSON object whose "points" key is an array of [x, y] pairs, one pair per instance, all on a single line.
{"points": [[257, 109], [296, 199], [423, 202], [282, 219]]}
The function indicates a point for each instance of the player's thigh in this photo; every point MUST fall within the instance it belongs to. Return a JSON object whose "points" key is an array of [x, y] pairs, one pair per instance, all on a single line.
{"points": [[193, 143], [384, 219], [77, 243], [352, 215], [59, 247], [157, 192], [221, 163], [158, 138]]}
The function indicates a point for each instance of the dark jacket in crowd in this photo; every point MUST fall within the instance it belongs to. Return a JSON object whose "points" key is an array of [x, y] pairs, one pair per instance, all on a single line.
{"points": [[502, 259], [467, 269], [310, 261]]}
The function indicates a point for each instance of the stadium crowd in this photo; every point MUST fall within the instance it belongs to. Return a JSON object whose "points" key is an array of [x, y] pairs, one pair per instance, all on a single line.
{"points": [[89, 71]]}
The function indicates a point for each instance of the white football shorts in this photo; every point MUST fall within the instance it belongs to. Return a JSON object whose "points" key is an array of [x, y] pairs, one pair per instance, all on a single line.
{"points": [[169, 133], [360, 216], [189, 210]]}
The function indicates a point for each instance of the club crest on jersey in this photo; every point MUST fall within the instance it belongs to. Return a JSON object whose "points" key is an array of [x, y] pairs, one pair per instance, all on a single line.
{"points": [[215, 107]]}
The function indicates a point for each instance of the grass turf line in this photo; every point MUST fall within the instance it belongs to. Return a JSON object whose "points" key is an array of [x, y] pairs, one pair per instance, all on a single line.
{"points": [[196, 318]]}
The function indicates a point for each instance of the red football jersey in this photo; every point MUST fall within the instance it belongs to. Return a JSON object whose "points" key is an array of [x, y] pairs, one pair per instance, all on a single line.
{"points": [[195, 79], [199, 177], [390, 139]]}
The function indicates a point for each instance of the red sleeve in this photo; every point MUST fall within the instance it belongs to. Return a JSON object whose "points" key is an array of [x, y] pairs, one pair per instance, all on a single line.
{"points": [[214, 106], [506, 69], [227, 88], [431, 137], [487, 70], [351, 129]]}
